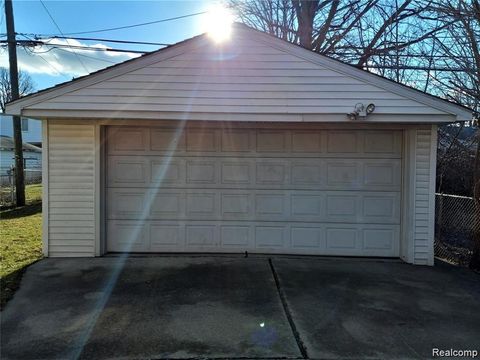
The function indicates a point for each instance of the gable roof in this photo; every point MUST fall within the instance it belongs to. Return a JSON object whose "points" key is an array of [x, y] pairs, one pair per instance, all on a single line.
{"points": [[254, 76], [6, 143]]}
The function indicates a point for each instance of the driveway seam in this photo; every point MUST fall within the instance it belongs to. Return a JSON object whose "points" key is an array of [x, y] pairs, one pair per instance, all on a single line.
{"points": [[301, 346]]}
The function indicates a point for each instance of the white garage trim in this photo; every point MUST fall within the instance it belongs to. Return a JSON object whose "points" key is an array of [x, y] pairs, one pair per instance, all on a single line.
{"points": [[420, 147], [98, 189], [45, 186]]}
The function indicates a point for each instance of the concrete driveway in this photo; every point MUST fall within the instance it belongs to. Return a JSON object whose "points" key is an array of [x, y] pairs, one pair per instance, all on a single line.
{"points": [[233, 307]]}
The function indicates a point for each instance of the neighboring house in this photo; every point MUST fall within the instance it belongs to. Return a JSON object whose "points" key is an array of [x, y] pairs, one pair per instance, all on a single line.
{"points": [[249, 146], [32, 155], [31, 129]]}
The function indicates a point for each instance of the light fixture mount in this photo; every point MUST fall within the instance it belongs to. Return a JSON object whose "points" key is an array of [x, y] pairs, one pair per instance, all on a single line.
{"points": [[361, 111]]}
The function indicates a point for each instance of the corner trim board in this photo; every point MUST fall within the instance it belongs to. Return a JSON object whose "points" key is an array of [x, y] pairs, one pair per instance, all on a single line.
{"points": [[45, 207], [433, 179], [97, 190]]}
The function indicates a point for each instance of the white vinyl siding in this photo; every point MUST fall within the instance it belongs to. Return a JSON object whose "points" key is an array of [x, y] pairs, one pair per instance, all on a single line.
{"points": [[71, 191], [424, 202], [247, 77]]}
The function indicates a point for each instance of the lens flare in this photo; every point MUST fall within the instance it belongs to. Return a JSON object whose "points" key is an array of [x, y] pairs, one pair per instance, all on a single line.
{"points": [[218, 23]]}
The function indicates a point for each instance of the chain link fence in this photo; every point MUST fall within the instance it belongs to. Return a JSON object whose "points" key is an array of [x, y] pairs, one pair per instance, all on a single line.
{"points": [[456, 225], [7, 184]]}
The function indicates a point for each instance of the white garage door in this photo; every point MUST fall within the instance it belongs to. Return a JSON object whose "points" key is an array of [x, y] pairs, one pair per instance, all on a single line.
{"points": [[227, 189]]}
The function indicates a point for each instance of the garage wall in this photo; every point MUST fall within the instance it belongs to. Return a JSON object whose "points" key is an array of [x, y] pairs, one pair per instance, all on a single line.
{"points": [[424, 197], [71, 190], [71, 173]]}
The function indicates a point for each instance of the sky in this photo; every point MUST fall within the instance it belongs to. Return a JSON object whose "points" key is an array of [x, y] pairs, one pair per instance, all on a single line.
{"points": [[48, 68]]}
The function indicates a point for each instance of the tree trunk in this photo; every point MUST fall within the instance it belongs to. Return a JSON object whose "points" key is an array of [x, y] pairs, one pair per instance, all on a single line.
{"points": [[305, 11]]}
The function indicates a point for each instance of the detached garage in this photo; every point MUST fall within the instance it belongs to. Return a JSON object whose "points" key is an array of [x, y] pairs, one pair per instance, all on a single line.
{"points": [[253, 145]]}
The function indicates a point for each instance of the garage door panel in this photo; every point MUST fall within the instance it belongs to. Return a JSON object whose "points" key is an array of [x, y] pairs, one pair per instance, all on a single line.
{"points": [[272, 141], [382, 142], [202, 140], [233, 141], [167, 140], [382, 173], [272, 172], [267, 205], [164, 237], [307, 173], [132, 170], [129, 236], [342, 142], [235, 236], [254, 173], [201, 172], [307, 238], [236, 204], [171, 171], [165, 205], [307, 142], [255, 237], [127, 140], [202, 205], [238, 172]]}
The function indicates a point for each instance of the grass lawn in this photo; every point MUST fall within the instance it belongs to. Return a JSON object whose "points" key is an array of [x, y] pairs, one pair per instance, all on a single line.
{"points": [[21, 241]]}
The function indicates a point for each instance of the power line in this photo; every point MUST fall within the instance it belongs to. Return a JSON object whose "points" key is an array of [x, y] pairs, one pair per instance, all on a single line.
{"points": [[403, 67], [89, 57], [58, 27], [134, 25], [40, 37], [33, 43], [31, 53], [50, 65], [423, 68]]}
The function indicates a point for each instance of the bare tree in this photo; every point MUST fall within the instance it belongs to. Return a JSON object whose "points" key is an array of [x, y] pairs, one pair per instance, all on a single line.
{"points": [[459, 47], [25, 83], [271, 16], [354, 31]]}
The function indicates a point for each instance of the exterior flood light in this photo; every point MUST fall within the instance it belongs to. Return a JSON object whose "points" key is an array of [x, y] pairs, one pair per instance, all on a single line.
{"points": [[361, 111]]}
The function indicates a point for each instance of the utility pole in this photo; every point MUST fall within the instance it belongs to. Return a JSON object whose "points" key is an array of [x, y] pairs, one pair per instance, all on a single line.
{"points": [[17, 122]]}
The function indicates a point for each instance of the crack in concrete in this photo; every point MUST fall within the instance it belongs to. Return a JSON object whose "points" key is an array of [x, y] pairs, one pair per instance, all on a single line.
{"points": [[301, 346]]}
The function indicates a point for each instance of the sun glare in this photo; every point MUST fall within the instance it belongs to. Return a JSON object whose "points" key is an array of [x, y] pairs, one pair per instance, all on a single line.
{"points": [[218, 23]]}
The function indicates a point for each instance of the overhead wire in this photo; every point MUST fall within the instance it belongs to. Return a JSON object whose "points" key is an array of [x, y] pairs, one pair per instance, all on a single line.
{"points": [[58, 27], [76, 47], [89, 57], [134, 25], [43, 37], [31, 52], [54, 68]]}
